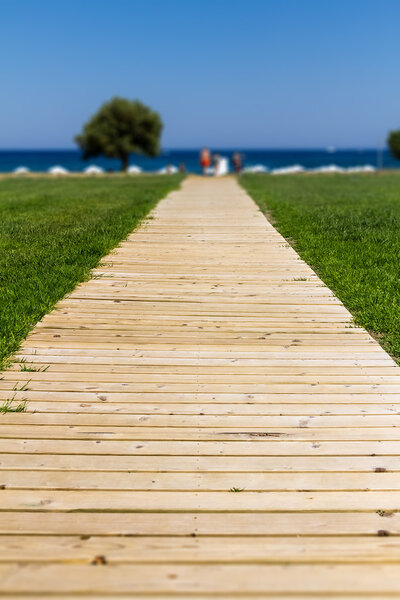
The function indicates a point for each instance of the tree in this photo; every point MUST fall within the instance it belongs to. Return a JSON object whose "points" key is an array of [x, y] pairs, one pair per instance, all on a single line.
{"points": [[394, 143], [119, 128]]}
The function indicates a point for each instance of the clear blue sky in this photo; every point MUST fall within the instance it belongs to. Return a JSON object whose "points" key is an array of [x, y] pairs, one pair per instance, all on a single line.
{"points": [[228, 73]]}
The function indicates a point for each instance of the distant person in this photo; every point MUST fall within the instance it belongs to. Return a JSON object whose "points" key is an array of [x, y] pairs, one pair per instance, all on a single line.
{"points": [[205, 160], [237, 162], [216, 161], [182, 167]]}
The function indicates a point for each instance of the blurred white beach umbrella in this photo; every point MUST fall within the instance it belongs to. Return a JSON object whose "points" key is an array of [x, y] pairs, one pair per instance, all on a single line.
{"points": [[255, 169], [93, 170], [21, 170], [57, 170], [288, 170], [361, 169], [134, 170], [222, 166], [168, 170], [328, 169]]}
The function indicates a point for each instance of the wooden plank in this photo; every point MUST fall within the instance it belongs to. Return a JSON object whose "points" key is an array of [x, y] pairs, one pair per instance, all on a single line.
{"points": [[213, 378], [376, 357], [199, 501], [167, 397], [44, 405], [254, 447], [191, 463], [190, 387], [193, 481], [199, 578], [125, 423], [157, 596], [281, 524], [183, 549], [131, 364], [219, 440]]}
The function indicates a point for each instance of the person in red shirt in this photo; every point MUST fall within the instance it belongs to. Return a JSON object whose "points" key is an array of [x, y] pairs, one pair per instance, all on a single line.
{"points": [[205, 160]]}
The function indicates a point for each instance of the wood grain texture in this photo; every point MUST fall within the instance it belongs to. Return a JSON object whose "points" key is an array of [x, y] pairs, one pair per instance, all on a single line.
{"points": [[203, 421]]}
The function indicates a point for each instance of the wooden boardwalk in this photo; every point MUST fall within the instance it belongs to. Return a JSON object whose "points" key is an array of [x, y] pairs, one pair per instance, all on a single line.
{"points": [[209, 424]]}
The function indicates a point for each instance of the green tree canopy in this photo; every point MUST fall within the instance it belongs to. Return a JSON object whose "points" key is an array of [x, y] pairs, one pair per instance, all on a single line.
{"points": [[394, 143], [121, 127]]}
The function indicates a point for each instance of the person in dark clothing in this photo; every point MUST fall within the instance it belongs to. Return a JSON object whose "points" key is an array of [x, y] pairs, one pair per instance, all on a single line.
{"points": [[237, 162]]}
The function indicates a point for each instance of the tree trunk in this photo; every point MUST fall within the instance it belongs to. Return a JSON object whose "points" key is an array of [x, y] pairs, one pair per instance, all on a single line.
{"points": [[125, 161]]}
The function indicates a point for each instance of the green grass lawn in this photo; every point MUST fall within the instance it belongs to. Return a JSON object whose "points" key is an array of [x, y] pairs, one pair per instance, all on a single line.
{"points": [[348, 229], [53, 232]]}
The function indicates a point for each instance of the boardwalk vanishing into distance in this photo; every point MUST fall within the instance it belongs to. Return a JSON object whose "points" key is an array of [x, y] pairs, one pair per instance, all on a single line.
{"points": [[204, 421]]}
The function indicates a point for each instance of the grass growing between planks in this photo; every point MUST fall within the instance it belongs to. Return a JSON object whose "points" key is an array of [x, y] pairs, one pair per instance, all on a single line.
{"points": [[53, 232], [347, 228], [11, 406]]}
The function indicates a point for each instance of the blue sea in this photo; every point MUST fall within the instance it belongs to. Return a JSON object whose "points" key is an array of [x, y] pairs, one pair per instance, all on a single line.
{"points": [[42, 160]]}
